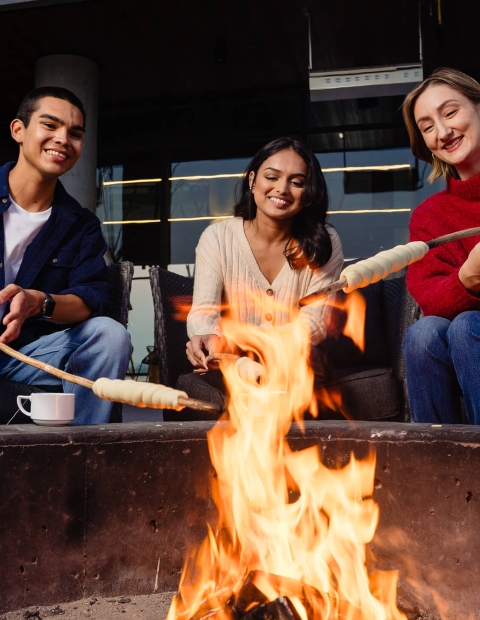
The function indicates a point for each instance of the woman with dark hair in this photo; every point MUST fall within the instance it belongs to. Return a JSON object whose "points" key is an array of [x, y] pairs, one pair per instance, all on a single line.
{"points": [[275, 250], [442, 350]]}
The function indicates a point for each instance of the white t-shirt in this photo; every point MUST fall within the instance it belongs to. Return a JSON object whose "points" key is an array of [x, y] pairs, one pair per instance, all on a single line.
{"points": [[20, 229]]}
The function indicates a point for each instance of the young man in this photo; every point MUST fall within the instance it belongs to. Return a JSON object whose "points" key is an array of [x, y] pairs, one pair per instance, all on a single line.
{"points": [[53, 278]]}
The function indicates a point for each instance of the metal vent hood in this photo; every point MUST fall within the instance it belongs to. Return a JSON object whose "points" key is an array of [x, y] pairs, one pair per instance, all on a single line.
{"points": [[364, 82]]}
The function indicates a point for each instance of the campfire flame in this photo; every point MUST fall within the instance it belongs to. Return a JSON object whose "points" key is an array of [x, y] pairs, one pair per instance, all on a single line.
{"points": [[287, 525], [354, 307]]}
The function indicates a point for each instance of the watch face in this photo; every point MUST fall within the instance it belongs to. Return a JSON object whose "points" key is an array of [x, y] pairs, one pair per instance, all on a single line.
{"points": [[48, 306]]}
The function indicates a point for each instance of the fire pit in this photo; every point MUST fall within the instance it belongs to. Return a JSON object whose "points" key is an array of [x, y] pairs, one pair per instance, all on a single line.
{"points": [[109, 511], [278, 529]]}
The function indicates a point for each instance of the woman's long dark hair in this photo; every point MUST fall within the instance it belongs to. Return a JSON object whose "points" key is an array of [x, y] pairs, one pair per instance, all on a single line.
{"points": [[308, 227]]}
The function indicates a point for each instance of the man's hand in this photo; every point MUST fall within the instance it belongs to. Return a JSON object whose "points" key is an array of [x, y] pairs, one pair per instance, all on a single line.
{"points": [[24, 303], [198, 346], [469, 274]]}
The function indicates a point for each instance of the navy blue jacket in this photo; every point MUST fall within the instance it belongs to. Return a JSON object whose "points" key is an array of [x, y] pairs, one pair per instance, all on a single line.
{"points": [[65, 257]]}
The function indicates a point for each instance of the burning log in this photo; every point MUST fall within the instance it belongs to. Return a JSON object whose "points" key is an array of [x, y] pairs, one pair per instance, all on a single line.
{"points": [[252, 604], [248, 597], [279, 609]]}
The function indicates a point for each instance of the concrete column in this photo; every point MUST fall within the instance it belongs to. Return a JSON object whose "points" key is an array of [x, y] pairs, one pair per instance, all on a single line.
{"points": [[80, 75]]}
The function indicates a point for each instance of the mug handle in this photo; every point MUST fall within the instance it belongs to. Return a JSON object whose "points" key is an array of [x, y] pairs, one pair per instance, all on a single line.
{"points": [[19, 405]]}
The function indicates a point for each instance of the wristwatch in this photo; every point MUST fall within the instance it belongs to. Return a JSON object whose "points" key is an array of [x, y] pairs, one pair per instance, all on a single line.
{"points": [[48, 306]]}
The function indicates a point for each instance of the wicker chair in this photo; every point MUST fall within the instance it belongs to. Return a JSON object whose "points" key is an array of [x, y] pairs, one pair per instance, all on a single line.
{"points": [[120, 285], [172, 298], [371, 383]]}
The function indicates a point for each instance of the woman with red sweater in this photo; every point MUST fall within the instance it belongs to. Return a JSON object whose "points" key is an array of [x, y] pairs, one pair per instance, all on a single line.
{"points": [[442, 350]]}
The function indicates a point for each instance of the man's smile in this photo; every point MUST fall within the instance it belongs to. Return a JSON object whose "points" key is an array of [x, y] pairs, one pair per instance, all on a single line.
{"points": [[54, 153]]}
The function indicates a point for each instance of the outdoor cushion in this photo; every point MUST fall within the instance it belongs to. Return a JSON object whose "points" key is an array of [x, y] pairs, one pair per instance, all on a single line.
{"points": [[341, 350], [366, 393]]}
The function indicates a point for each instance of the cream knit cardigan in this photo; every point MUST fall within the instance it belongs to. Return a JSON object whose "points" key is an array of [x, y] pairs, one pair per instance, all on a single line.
{"points": [[225, 266]]}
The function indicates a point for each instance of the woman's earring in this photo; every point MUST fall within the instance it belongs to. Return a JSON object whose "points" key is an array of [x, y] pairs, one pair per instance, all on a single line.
{"points": [[433, 156]]}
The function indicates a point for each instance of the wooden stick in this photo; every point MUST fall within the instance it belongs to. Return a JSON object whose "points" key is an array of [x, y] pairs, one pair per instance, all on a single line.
{"points": [[216, 357], [324, 292], [339, 284], [192, 403], [200, 405], [460, 234], [46, 367], [221, 356]]}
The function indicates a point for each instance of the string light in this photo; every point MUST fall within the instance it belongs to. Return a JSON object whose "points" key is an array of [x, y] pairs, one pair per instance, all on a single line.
{"points": [[240, 175], [226, 217]]}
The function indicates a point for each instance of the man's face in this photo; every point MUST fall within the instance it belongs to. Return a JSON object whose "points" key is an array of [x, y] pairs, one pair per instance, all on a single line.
{"points": [[53, 140]]}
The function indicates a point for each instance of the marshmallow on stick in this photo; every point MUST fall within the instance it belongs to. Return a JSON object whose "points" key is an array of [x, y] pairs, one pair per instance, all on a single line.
{"points": [[140, 394], [373, 269], [369, 270]]}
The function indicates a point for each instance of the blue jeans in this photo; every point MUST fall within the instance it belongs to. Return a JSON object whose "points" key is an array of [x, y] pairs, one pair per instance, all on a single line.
{"points": [[442, 360], [99, 347]]}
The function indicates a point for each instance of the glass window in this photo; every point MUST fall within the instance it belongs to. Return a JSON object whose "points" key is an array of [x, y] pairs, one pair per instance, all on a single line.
{"points": [[129, 212], [201, 192], [129, 209], [372, 195]]}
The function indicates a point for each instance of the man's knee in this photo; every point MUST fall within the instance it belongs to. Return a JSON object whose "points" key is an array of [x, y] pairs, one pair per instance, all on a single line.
{"points": [[115, 332], [105, 332]]}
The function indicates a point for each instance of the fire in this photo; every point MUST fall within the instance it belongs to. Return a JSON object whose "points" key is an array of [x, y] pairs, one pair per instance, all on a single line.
{"points": [[355, 307], [287, 525], [346, 316]]}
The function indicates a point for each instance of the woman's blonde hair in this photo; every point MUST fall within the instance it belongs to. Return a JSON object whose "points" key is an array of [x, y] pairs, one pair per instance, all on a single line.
{"points": [[457, 80]]}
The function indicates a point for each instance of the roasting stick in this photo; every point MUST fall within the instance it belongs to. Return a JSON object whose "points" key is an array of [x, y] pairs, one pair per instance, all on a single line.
{"points": [[135, 393], [365, 272], [247, 369]]}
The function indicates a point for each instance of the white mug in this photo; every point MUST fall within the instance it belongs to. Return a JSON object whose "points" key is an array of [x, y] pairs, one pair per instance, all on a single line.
{"points": [[49, 408]]}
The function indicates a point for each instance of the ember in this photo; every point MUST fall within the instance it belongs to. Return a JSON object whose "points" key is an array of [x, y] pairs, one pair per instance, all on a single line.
{"points": [[290, 539]]}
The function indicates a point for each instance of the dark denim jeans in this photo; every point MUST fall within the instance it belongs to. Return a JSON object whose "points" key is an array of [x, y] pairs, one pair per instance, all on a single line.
{"points": [[442, 360]]}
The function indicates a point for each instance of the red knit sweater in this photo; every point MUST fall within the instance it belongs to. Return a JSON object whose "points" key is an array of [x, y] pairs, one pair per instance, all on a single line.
{"points": [[433, 281]]}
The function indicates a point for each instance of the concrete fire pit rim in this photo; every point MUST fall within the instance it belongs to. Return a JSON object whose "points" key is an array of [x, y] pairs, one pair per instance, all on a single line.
{"points": [[324, 431]]}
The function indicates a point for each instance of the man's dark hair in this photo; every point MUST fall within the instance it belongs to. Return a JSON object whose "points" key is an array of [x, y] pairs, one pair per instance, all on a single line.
{"points": [[30, 103]]}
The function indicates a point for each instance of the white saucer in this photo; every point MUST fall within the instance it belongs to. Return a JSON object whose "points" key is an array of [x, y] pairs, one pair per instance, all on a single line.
{"points": [[51, 422]]}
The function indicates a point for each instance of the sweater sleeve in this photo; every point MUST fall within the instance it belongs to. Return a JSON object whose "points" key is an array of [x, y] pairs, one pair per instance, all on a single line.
{"points": [[204, 315], [433, 280], [318, 314]]}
